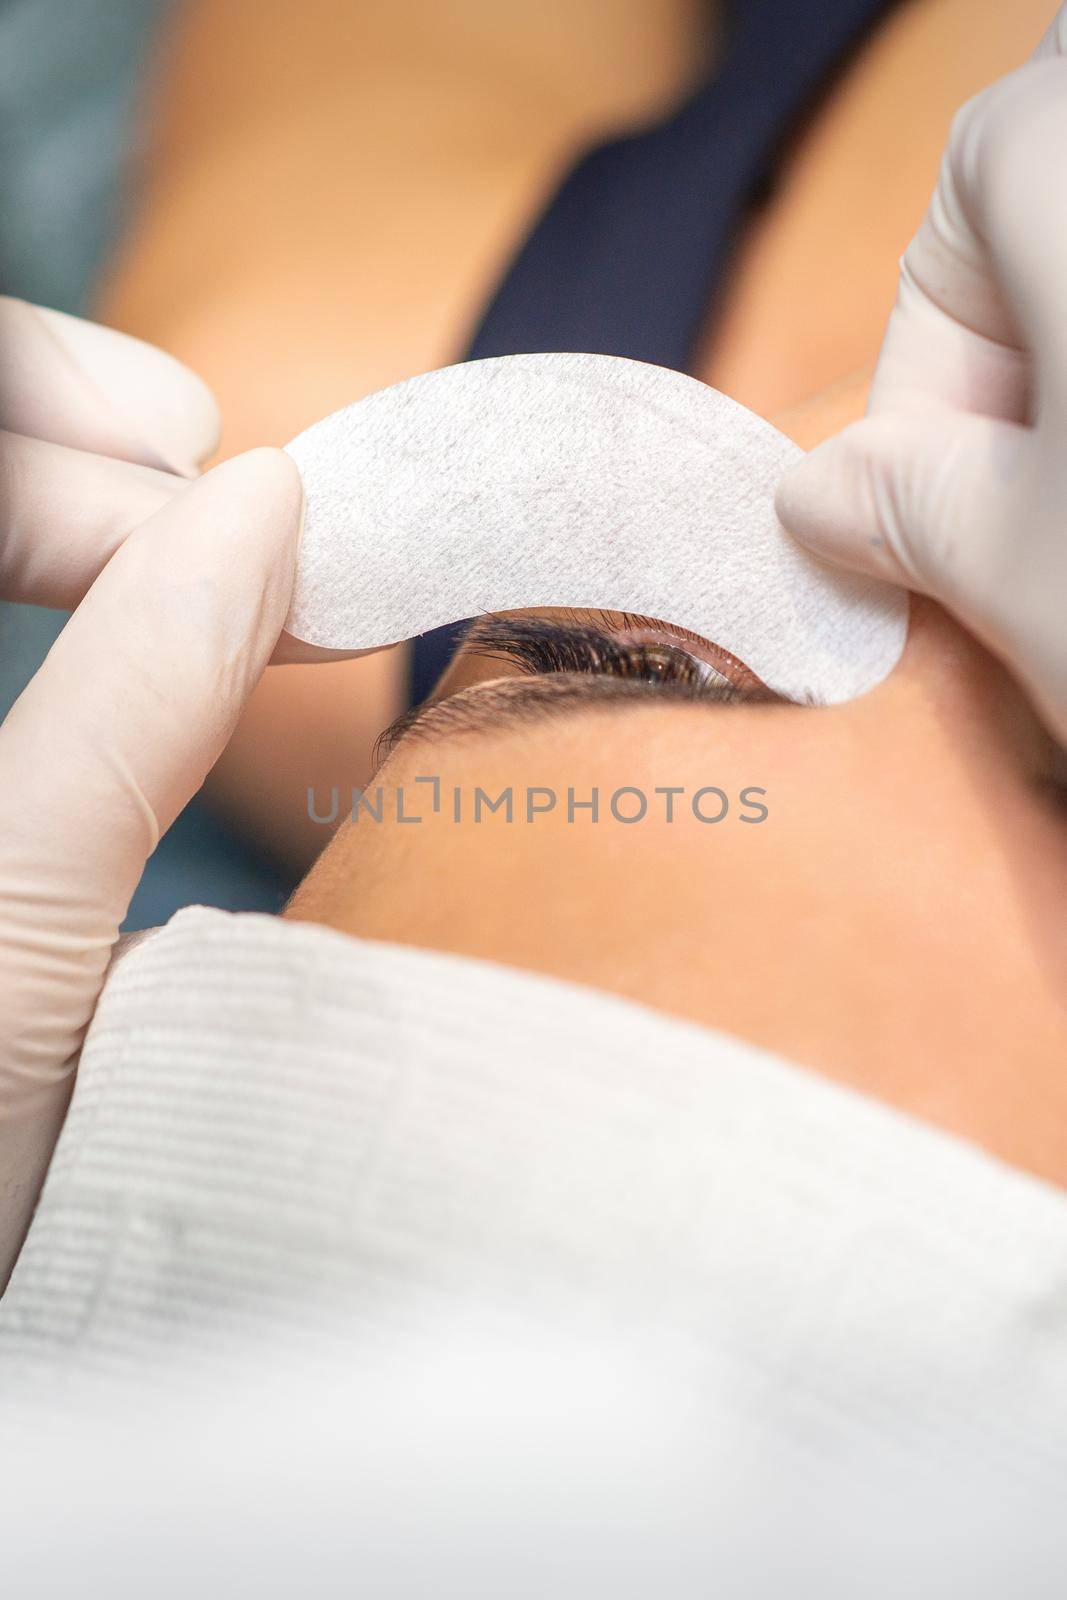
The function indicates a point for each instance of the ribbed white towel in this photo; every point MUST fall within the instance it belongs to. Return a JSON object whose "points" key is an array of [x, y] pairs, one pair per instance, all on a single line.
{"points": [[281, 1134]]}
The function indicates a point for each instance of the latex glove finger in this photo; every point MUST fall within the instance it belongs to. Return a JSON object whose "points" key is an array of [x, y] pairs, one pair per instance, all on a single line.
{"points": [[64, 513], [955, 507], [89, 416], [917, 501], [953, 337], [113, 736], [75, 383], [965, 311], [1009, 152]]}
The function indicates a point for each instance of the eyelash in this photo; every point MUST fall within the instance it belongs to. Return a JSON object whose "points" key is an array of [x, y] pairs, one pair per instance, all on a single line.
{"points": [[545, 649], [542, 647]]}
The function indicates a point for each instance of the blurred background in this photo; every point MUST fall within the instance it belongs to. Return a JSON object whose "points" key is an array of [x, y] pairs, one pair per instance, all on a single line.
{"points": [[74, 92]]}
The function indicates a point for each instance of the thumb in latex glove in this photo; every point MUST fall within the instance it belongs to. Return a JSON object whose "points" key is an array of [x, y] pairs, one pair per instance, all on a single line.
{"points": [[955, 484], [131, 708]]}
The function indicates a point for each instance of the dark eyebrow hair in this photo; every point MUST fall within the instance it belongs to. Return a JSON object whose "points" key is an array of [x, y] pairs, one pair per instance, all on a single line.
{"points": [[511, 702]]}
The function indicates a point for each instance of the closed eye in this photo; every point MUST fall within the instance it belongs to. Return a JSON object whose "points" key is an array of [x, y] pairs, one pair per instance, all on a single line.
{"points": [[617, 645], [519, 666]]}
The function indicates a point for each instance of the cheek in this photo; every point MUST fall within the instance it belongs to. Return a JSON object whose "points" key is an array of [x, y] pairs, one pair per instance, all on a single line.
{"points": [[354, 863]]}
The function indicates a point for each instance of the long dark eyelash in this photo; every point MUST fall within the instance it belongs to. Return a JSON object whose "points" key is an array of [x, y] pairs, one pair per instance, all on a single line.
{"points": [[578, 666], [540, 646]]}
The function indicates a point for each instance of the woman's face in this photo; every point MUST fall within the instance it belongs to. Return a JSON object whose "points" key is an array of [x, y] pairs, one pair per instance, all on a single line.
{"points": [[874, 889]]}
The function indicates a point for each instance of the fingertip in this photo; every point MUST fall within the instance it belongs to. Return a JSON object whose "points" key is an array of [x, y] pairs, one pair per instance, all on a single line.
{"points": [[266, 474], [808, 498], [254, 505], [273, 468], [827, 504]]}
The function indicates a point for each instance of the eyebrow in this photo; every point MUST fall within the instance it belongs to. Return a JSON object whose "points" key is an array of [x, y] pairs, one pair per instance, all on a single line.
{"points": [[517, 702]]}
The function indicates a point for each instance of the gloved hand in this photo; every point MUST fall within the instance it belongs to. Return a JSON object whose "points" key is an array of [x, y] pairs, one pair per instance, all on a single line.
{"points": [[955, 484], [175, 621]]}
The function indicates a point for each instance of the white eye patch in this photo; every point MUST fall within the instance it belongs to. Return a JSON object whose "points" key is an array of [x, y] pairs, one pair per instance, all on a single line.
{"points": [[577, 481]]}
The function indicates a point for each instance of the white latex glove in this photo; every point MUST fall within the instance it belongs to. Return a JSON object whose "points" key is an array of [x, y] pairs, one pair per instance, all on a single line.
{"points": [[175, 621], [955, 484]]}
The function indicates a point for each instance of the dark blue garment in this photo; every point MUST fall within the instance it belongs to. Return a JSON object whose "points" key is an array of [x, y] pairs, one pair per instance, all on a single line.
{"points": [[627, 257]]}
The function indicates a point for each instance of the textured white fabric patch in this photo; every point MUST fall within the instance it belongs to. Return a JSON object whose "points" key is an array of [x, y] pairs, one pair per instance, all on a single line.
{"points": [[575, 480]]}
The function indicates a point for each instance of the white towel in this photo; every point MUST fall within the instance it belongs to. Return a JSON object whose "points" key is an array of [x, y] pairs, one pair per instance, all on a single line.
{"points": [[283, 1140]]}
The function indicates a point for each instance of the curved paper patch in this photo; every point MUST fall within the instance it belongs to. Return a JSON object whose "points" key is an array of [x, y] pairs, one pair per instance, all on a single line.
{"points": [[575, 480]]}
